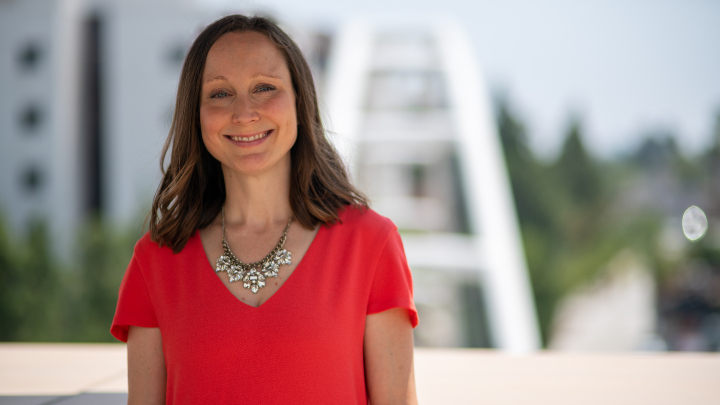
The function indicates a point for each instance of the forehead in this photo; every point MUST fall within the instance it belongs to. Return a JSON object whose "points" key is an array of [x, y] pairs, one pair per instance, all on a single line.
{"points": [[245, 52]]}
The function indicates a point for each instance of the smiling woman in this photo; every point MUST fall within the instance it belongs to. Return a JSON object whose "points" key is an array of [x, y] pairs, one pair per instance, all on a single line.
{"points": [[254, 194]]}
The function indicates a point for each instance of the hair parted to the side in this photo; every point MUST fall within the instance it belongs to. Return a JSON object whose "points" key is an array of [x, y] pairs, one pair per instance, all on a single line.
{"points": [[192, 190]]}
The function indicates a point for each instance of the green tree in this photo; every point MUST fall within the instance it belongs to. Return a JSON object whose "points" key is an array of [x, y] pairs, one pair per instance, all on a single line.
{"points": [[104, 254], [536, 200], [565, 209], [43, 299], [576, 171], [30, 287]]}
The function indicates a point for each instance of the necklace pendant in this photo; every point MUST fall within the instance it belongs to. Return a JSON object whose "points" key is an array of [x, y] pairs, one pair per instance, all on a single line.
{"points": [[235, 273], [223, 264], [254, 280], [283, 257]]}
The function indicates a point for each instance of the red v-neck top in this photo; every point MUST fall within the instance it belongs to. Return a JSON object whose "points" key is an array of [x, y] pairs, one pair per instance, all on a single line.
{"points": [[304, 345]]}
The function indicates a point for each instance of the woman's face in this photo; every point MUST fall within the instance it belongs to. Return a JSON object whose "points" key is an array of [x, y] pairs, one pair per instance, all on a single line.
{"points": [[247, 104]]}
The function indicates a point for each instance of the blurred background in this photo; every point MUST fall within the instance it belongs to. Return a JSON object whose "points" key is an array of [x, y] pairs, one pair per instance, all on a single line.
{"points": [[553, 167]]}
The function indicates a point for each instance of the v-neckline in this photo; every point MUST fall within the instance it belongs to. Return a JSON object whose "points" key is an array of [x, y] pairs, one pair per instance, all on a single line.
{"points": [[214, 275]]}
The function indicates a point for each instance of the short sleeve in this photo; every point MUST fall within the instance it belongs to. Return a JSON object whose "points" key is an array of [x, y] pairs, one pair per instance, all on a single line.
{"points": [[134, 306], [392, 281]]}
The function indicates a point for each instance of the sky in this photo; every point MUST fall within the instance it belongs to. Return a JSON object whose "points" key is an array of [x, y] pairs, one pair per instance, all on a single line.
{"points": [[624, 68]]}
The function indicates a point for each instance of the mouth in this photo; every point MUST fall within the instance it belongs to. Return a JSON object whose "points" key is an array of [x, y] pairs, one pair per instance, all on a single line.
{"points": [[249, 138]]}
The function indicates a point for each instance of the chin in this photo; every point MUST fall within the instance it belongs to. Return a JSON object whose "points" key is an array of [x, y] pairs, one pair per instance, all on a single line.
{"points": [[248, 168]]}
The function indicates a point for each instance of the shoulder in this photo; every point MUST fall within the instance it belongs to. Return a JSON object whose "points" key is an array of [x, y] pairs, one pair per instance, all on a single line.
{"points": [[146, 248], [364, 217], [155, 262], [360, 221]]}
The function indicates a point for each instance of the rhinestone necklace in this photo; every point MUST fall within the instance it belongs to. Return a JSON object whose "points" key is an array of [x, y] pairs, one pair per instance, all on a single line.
{"points": [[253, 275]]}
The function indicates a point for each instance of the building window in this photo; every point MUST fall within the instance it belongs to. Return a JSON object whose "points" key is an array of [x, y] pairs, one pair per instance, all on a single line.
{"points": [[406, 90], [31, 179], [30, 118], [176, 55], [419, 180], [29, 56]]}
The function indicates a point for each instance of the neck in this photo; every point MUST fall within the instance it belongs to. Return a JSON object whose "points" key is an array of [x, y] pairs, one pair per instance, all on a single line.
{"points": [[258, 200]]}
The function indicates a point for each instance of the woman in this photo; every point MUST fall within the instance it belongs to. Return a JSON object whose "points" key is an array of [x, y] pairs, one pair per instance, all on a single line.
{"points": [[264, 277]]}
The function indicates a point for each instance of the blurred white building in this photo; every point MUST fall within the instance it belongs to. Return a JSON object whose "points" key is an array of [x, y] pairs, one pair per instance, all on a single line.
{"points": [[87, 94], [40, 169], [411, 117]]}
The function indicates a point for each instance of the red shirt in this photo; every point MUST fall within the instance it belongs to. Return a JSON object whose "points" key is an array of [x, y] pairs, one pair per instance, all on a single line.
{"points": [[304, 345]]}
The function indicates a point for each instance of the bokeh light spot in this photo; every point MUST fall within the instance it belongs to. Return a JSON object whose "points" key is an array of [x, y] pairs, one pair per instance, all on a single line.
{"points": [[694, 223]]}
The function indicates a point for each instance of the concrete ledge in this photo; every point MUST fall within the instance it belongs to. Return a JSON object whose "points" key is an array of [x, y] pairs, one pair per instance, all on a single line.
{"points": [[62, 369], [76, 374], [82, 399], [470, 376]]}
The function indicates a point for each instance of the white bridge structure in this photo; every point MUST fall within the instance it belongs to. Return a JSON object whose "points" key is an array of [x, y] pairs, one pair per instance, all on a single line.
{"points": [[408, 111]]}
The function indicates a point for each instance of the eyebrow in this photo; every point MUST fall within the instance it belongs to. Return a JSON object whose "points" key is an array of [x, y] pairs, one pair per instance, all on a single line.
{"points": [[216, 78], [255, 76]]}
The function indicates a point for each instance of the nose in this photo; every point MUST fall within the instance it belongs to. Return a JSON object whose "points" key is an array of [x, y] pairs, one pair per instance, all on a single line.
{"points": [[244, 111]]}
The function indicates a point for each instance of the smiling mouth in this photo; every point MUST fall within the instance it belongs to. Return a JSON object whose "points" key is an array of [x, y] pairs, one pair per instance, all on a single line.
{"points": [[250, 138]]}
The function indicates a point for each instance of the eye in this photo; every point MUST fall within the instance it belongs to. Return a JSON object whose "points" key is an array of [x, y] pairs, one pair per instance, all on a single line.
{"points": [[262, 88], [219, 94]]}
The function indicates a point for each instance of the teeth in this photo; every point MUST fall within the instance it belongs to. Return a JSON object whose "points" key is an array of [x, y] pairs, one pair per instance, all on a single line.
{"points": [[250, 138]]}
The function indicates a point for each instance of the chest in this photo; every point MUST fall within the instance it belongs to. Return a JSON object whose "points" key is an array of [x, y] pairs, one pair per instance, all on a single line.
{"points": [[254, 284], [320, 307]]}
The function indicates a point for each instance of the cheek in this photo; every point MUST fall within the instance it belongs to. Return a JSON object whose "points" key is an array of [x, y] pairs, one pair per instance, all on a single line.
{"points": [[211, 124], [208, 119], [283, 109], [208, 126], [291, 124]]}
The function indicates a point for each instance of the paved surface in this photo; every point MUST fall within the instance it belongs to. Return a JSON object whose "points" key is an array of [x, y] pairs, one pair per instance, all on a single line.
{"points": [[80, 399], [84, 374]]}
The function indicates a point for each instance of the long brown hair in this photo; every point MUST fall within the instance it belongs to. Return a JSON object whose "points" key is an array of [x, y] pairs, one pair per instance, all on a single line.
{"points": [[192, 190]]}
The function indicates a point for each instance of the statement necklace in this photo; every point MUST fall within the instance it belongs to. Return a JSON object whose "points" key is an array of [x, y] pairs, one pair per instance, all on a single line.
{"points": [[253, 275]]}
